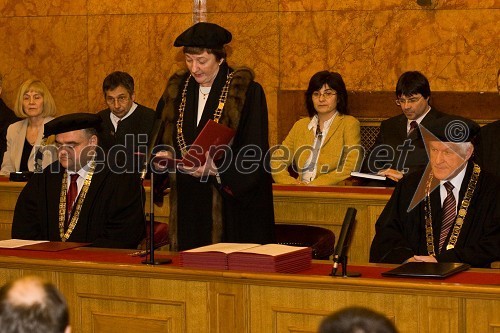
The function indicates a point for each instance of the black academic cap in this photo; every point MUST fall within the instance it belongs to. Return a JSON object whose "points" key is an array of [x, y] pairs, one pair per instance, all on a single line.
{"points": [[204, 35], [452, 128], [71, 122]]}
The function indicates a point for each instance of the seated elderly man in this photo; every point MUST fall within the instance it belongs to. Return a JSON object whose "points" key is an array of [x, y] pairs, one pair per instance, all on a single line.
{"points": [[78, 198], [450, 212]]}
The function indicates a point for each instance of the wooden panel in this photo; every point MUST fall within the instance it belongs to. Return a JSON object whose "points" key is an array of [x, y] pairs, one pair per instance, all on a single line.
{"points": [[230, 310], [139, 298], [481, 315], [105, 323]]}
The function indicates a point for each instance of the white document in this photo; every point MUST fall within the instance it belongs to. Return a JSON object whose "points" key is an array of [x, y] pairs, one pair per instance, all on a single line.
{"points": [[367, 175], [272, 249], [222, 247], [15, 243]]}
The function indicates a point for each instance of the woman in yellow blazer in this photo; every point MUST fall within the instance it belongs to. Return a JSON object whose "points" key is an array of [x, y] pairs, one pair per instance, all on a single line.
{"points": [[325, 147]]}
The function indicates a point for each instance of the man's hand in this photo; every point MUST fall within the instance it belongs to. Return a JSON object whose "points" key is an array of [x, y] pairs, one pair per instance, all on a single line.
{"points": [[391, 174], [423, 259]]}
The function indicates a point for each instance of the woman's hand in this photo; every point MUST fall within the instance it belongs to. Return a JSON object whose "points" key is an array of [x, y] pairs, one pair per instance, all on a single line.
{"points": [[207, 169], [159, 166]]}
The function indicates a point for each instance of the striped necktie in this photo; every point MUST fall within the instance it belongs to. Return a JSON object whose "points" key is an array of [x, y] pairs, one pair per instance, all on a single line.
{"points": [[449, 213]]}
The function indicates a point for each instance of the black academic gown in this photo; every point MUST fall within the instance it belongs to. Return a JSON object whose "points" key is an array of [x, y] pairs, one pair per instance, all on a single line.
{"points": [[401, 234], [131, 136], [488, 149], [402, 155], [7, 117], [111, 215], [246, 186]]}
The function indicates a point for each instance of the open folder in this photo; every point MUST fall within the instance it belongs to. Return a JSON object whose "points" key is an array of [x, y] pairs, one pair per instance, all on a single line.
{"points": [[213, 137]]}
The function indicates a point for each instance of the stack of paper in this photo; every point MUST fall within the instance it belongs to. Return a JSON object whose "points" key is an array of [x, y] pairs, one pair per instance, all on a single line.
{"points": [[211, 256], [271, 258]]}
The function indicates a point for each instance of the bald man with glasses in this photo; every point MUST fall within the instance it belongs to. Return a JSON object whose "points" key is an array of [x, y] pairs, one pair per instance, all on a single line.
{"points": [[399, 148]]}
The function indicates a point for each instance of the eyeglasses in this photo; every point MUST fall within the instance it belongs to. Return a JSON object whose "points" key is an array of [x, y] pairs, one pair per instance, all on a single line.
{"points": [[120, 99], [327, 94], [413, 100]]}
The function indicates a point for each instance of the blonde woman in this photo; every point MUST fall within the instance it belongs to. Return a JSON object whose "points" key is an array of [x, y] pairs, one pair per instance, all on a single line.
{"points": [[36, 106]]}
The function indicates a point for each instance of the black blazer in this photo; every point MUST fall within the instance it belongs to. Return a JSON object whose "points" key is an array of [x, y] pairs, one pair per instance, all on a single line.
{"points": [[391, 139], [111, 215]]}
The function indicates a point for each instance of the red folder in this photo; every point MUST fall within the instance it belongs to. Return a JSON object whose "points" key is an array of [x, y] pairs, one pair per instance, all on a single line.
{"points": [[211, 138]]}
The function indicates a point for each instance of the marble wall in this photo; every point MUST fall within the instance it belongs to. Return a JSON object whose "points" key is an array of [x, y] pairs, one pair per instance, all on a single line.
{"points": [[73, 45]]}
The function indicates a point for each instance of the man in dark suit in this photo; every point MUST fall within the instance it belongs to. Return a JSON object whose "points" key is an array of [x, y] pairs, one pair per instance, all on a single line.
{"points": [[78, 198], [450, 212], [399, 148], [126, 126]]}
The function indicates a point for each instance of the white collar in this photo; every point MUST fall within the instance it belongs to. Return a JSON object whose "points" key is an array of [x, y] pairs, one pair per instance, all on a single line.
{"points": [[326, 125]]}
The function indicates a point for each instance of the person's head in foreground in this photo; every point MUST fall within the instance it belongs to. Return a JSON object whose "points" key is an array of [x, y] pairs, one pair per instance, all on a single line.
{"points": [[31, 305], [356, 320]]}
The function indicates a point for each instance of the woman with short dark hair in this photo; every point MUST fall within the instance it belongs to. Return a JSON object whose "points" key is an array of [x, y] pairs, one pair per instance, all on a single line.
{"points": [[325, 147]]}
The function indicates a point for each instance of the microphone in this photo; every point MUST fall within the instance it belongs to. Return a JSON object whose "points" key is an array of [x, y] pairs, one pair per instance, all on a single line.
{"points": [[153, 137], [339, 255]]}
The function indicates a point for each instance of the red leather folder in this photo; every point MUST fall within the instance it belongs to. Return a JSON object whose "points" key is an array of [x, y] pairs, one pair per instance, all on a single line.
{"points": [[212, 138]]}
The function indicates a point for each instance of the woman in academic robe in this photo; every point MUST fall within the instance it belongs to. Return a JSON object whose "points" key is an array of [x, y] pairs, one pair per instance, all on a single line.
{"points": [[229, 199]]}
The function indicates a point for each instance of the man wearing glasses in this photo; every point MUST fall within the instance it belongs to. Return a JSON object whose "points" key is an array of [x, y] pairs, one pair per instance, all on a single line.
{"points": [[126, 125], [399, 148], [77, 198]]}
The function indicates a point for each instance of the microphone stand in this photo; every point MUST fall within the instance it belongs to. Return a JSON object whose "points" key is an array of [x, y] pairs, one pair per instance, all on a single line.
{"points": [[343, 262], [151, 260], [147, 159]]}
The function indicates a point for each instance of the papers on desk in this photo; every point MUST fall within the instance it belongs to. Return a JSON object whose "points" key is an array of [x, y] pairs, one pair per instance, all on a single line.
{"points": [[249, 257], [16, 243], [367, 175], [23, 244]]}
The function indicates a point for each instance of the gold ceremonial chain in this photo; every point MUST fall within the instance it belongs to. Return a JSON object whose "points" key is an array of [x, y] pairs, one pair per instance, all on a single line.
{"points": [[78, 207], [459, 221], [217, 113]]}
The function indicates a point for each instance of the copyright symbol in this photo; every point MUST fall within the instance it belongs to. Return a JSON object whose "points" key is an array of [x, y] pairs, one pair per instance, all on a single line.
{"points": [[456, 131]]}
